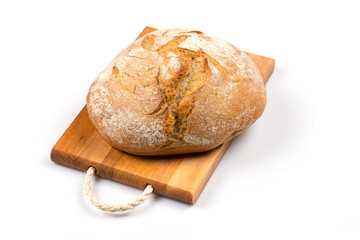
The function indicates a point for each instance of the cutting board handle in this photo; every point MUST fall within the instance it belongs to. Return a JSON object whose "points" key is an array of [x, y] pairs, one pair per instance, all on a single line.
{"points": [[112, 207]]}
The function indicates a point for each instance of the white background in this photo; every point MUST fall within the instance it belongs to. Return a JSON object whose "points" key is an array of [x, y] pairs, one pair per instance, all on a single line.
{"points": [[295, 174]]}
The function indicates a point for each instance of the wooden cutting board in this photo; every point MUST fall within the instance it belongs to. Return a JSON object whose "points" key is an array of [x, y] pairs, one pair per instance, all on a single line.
{"points": [[180, 177]]}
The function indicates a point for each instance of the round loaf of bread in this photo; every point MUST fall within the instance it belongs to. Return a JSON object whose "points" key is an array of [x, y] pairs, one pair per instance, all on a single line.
{"points": [[176, 91]]}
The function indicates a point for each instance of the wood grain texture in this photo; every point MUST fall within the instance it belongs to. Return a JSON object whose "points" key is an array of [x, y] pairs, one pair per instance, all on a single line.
{"points": [[181, 177]]}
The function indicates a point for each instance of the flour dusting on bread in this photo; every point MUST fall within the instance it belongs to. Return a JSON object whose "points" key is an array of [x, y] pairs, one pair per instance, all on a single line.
{"points": [[123, 124]]}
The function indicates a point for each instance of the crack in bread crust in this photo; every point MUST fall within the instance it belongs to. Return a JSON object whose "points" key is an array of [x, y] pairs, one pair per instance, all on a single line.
{"points": [[182, 72]]}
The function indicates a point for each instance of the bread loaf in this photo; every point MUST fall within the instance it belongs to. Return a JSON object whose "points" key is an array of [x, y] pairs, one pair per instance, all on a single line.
{"points": [[176, 91]]}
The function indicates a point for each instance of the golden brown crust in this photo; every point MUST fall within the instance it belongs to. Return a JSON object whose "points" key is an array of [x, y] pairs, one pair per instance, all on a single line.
{"points": [[176, 91]]}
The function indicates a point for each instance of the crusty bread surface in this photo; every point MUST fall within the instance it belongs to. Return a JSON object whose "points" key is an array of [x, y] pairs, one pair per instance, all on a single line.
{"points": [[176, 91]]}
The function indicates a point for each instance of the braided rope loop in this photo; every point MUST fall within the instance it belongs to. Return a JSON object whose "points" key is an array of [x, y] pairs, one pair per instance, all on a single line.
{"points": [[111, 207]]}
